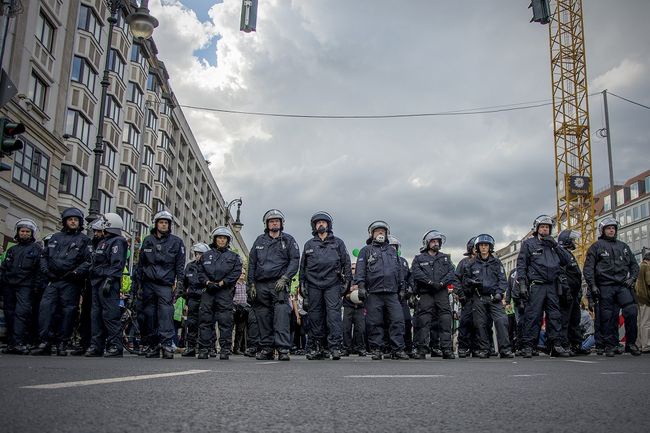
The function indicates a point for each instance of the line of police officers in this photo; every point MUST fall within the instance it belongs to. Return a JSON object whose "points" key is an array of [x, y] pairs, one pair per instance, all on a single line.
{"points": [[548, 283]]}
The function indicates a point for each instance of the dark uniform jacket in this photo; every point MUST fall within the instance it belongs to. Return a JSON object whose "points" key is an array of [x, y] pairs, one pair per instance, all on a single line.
{"points": [[539, 261], [433, 273], [571, 277], [67, 256], [21, 266], [162, 260], [193, 287], [379, 268], [406, 275], [109, 259], [271, 258], [489, 273], [220, 265], [609, 262], [325, 263]]}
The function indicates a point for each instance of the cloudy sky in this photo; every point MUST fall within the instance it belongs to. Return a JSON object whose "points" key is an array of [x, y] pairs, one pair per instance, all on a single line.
{"points": [[462, 175]]}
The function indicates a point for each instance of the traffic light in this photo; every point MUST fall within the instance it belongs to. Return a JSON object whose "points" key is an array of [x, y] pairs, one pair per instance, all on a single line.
{"points": [[8, 129], [541, 11]]}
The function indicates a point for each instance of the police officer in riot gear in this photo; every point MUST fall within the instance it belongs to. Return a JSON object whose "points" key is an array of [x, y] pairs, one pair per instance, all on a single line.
{"points": [[65, 263], [273, 261], [433, 272], [379, 279], [108, 261], [354, 322], [571, 280], [193, 292], [404, 295], [160, 269], [539, 266], [485, 277], [324, 277], [20, 279], [466, 334], [611, 271], [219, 270]]}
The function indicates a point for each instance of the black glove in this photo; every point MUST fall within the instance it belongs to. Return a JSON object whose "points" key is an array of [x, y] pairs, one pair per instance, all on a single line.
{"points": [[595, 293], [304, 292], [523, 290], [497, 297], [472, 282], [180, 286], [630, 283], [282, 284], [412, 302], [305, 304], [363, 294], [591, 305], [106, 287], [401, 295], [211, 287], [251, 292], [549, 241]]}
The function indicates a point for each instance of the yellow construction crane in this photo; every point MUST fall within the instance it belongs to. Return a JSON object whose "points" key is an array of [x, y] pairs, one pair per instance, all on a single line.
{"points": [[573, 168]]}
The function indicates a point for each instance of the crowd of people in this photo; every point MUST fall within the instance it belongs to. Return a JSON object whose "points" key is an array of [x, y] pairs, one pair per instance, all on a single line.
{"points": [[318, 302]]}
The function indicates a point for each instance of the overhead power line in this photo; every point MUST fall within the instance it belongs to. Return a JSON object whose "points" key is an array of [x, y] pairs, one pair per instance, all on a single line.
{"points": [[629, 100]]}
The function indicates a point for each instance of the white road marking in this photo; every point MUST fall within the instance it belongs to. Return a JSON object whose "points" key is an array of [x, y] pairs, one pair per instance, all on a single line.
{"points": [[614, 372], [528, 375], [382, 376], [266, 363], [583, 362], [112, 380]]}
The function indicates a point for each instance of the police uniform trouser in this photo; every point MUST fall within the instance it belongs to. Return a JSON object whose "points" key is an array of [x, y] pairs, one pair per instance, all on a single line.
{"points": [[192, 321], [433, 305], [542, 297], [159, 313], [17, 305], [253, 336], [106, 326], [570, 313], [272, 312], [84, 325], [216, 305], [61, 298], [354, 329], [408, 326], [611, 299], [484, 311], [325, 306], [466, 337], [375, 305], [240, 319]]}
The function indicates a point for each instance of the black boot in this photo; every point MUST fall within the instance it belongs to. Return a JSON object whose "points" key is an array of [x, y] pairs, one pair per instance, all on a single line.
{"points": [[376, 355], [462, 353], [315, 354], [633, 349], [448, 354], [153, 352], [212, 352], [93, 352], [168, 353], [188, 352], [436, 353], [43, 349], [264, 355], [224, 355], [335, 354], [284, 356], [113, 352], [527, 352], [400, 355], [203, 354], [507, 354], [560, 352], [62, 349], [250, 352], [483, 354]]}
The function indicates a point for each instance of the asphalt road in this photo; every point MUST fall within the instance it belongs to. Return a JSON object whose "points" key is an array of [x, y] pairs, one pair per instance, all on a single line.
{"points": [[51, 394]]}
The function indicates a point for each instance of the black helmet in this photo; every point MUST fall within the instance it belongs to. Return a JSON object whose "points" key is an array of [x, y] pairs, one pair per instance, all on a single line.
{"points": [[321, 216], [73, 212], [470, 246], [484, 239], [567, 238]]}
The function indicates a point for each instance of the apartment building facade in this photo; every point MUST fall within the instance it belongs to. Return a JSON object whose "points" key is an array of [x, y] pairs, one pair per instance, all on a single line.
{"points": [[56, 55]]}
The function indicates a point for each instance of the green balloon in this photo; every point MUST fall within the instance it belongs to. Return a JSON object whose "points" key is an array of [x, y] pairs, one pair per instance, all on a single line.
{"points": [[355, 252]]}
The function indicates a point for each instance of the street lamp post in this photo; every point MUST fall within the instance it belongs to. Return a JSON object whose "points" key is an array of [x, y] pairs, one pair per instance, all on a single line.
{"points": [[237, 225], [141, 25]]}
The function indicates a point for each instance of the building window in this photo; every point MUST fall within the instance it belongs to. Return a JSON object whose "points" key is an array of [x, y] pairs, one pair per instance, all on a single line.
{"points": [[162, 174], [45, 32], [131, 135], [620, 196], [37, 91], [77, 126], [134, 94], [152, 83], [166, 108], [121, 22], [158, 205], [607, 203], [89, 22], [127, 218], [83, 73], [647, 184], [644, 232], [634, 190], [113, 109], [148, 157], [152, 120], [137, 57], [109, 157], [31, 167], [635, 213], [127, 177], [105, 202], [116, 63], [145, 194], [644, 210], [165, 141], [72, 181]]}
